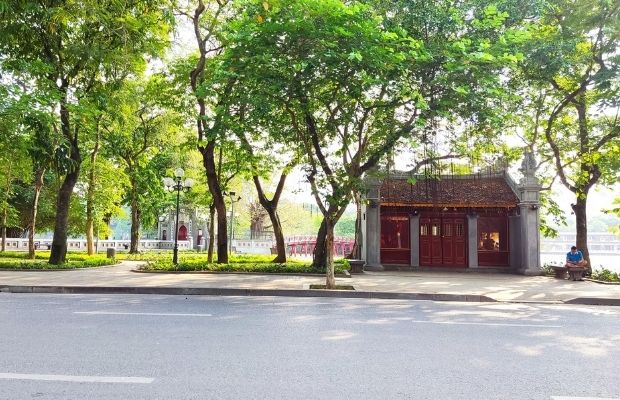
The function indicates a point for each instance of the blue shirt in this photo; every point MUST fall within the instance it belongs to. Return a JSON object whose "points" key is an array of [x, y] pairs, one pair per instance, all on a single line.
{"points": [[574, 257]]}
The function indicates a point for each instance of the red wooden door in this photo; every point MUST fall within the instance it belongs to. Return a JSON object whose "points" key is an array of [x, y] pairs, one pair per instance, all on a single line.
{"points": [[182, 233], [447, 242], [436, 251], [443, 242], [425, 241], [460, 243]]}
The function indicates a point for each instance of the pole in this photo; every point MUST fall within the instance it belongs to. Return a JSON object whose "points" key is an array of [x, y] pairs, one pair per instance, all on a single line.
{"points": [[175, 259]]}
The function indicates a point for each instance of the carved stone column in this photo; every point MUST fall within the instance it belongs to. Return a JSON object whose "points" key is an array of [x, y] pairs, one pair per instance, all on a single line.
{"points": [[529, 196], [372, 233], [472, 240], [414, 230]]}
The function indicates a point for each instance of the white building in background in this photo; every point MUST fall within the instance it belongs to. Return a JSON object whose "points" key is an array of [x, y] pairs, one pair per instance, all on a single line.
{"points": [[193, 227], [600, 243]]}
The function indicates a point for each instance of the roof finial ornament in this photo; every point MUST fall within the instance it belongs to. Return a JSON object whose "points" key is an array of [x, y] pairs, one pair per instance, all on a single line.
{"points": [[528, 167]]}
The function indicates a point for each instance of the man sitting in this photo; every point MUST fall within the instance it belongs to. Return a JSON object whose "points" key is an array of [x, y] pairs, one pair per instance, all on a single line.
{"points": [[574, 258]]}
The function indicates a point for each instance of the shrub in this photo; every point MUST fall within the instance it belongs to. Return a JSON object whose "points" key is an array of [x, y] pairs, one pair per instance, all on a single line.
{"points": [[296, 267], [73, 262], [606, 275], [40, 255], [546, 268]]}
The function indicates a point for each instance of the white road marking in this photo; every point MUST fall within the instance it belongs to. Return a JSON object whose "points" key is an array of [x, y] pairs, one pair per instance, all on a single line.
{"points": [[77, 378], [485, 324], [583, 398], [137, 313]]}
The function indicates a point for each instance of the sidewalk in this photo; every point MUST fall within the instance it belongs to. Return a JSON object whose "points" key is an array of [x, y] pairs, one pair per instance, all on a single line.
{"points": [[405, 285]]}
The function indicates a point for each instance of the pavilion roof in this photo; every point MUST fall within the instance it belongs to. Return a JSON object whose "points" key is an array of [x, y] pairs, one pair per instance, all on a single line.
{"points": [[449, 191]]}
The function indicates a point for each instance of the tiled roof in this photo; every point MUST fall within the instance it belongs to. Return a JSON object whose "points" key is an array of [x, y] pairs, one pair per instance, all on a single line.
{"points": [[449, 191]]}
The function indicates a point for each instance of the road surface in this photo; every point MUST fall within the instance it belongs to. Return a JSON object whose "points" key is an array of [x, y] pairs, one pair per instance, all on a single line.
{"points": [[176, 347]]}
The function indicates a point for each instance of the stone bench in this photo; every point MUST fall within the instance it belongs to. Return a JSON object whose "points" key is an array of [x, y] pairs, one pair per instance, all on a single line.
{"points": [[576, 273], [560, 271]]}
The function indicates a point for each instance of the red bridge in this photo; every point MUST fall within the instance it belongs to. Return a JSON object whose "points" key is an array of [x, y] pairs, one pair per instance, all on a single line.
{"points": [[304, 246]]}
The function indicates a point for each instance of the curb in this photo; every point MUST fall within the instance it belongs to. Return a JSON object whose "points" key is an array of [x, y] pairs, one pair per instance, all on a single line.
{"points": [[243, 292], [345, 274], [350, 294], [594, 301], [601, 282]]}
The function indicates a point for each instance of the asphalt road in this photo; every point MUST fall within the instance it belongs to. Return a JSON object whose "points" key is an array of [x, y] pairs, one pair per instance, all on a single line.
{"points": [[173, 347]]}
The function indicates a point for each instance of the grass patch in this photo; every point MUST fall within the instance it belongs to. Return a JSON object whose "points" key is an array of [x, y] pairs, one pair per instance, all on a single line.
{"points": [[338, 287], [259, 263], [18, 260], [40, 255], [605, 275]]}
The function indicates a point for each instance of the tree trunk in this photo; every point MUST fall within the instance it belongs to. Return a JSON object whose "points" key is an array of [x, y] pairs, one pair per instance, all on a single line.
{"points": [[211, 233], [59, 242], [330, 278], [582, 228], [3, 222], [135, 219], [5, 210], [583, 189], [356, 252], [222, 233], [90, 248], [38, 185], [90, 198], [208, 159], [277, 232], [319, 255], [271, 206], [322, 250]]}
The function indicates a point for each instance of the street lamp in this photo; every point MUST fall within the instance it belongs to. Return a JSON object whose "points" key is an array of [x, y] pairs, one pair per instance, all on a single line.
{"points": [[172, 184], [232, 217]]}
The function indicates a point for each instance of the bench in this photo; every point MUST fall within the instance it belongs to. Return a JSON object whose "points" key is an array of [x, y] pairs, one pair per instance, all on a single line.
{"points": [[576, 273], [560, 271]]}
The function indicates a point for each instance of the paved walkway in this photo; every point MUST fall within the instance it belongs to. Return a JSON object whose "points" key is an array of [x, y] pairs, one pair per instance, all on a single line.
{"points": [[499, 287]]}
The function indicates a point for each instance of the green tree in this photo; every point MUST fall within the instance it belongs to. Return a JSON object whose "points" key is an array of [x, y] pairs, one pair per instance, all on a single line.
{"points": [[206, 19], [352, 89], [14, 162], [572, 65], [42, 145], [77, 44], [141, 133]]}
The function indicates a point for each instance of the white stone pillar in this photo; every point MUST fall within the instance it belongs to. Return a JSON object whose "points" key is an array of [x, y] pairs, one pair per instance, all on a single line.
{"points": [[530, 239], [472, 240], [529, 191], [414, 233], [514, 232], [373, 236], [373, 225]]}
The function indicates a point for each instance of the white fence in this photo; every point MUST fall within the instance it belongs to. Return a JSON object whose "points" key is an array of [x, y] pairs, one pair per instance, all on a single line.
{"points": [[80, 245], [252, 246]]}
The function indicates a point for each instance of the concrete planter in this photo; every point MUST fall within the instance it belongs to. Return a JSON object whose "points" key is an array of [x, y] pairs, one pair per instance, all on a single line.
{"points": [[357, 266]]}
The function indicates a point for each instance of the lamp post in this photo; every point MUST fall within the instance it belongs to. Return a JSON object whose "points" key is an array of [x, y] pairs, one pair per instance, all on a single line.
{"points": [[172, 184], [232, 217]]}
